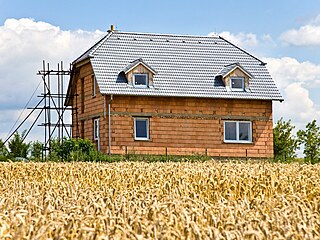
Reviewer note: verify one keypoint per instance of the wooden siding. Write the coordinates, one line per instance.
(140, 69)
(236, 73)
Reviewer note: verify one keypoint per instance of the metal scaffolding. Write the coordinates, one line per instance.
(51, 106)
(53, 97)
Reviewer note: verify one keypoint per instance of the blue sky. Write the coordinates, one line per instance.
(190, 17)
(283, 33)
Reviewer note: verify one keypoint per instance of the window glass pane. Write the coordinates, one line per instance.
(244, 131)
(96, 128)
(141, 128)
(230, 131)
(140, 79)
(237, 83)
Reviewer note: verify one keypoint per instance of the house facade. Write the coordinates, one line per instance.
(172, 94)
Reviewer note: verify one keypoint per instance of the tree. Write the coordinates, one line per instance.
(36, 150)
(17, 147)
(3, 150)
(310, 138)
(285, 143)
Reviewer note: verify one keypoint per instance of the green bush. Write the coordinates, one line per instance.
(71, 149)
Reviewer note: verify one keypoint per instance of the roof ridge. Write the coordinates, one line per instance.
(167, 34)
(263, 63)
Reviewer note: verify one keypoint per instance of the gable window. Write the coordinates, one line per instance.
(140, 80)
(237, 83)
(238, 132)
(141, 128)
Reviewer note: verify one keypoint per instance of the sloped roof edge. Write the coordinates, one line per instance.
(90, 51)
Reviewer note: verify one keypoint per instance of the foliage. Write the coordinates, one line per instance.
(36, 150)
(17, 146)
(310, 138)
(284, 143)
(3, 149)
(72, 149)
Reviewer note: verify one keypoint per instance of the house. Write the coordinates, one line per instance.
(172, 94)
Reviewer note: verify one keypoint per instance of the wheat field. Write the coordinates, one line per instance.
(138, 200)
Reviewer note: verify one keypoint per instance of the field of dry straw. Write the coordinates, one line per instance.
(135, 200)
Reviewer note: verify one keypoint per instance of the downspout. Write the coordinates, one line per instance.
(109, 124)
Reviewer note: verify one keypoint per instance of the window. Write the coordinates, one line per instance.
(141, 128)
(238, 131)
(140, 80)
(96, 129)
(237, 84)
(94, 87)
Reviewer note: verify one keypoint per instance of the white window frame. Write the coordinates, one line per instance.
(140, 74)
(237, 132)
(237, 89)
(135, 132)
(96, 129)
(96, 132)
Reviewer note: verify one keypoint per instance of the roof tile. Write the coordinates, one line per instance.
(185, 66)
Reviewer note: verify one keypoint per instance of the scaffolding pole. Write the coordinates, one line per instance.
(52, 107)
(54, 96)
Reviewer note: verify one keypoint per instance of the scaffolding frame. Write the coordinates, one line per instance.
(52, 106)
(53, 98)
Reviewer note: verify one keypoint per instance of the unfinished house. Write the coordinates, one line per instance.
(172, 94)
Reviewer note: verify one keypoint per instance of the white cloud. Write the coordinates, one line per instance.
(259, 45)
(307, 35)
(24, 43)
(244, 40)
(288, 70)
(298, 105)
(295, 80)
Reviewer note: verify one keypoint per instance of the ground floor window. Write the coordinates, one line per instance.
(238, 131)
(96, 129)
(96, 132)
(141, 128)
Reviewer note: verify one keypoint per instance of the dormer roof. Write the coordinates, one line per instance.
(227, 69)
(135, 63)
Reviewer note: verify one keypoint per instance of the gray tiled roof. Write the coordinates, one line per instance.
(186, 66)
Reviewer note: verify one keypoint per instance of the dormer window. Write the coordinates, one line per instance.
(237, 83)
(140, 80)
(235, 77)
(139, 74)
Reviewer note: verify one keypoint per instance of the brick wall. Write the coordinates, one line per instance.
(178, 126)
